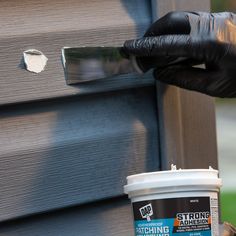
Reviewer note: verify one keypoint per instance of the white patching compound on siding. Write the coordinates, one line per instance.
(35, 61)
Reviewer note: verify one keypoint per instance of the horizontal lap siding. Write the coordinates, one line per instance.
(69, 151)
(66, 152)
(50, 25)
(109, 218)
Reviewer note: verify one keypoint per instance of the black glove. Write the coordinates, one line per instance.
(193, 38)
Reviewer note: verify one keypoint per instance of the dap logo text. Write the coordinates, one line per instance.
(146, 211)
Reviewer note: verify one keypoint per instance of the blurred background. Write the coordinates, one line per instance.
(226, 135)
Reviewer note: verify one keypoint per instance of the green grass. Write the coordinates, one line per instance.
(228, 207)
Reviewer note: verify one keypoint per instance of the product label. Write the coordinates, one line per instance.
(188, 216)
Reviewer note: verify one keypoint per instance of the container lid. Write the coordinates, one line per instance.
(173, 178)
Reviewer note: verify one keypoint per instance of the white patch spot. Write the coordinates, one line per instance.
(35, 61)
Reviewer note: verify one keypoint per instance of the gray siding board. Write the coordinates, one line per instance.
(165, 6)
(67, 152)
(49, 27)
(110, 218)
(186, 119)
(29, 17)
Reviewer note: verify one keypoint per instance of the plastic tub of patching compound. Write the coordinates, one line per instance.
(176, 202)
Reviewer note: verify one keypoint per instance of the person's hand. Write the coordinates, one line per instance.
(193, 38)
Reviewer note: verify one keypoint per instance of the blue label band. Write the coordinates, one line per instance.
(165, 227)
(173, 217)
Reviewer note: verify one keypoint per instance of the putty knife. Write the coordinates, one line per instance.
(84, 64)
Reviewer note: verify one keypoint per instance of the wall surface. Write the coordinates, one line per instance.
(71, 147)
(65, 150)
(186, 119)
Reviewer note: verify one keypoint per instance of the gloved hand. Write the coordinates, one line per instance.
(193, 38)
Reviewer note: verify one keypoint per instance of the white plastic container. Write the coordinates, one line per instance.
(175, 202)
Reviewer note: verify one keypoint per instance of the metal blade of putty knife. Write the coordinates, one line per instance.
(82, 64)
